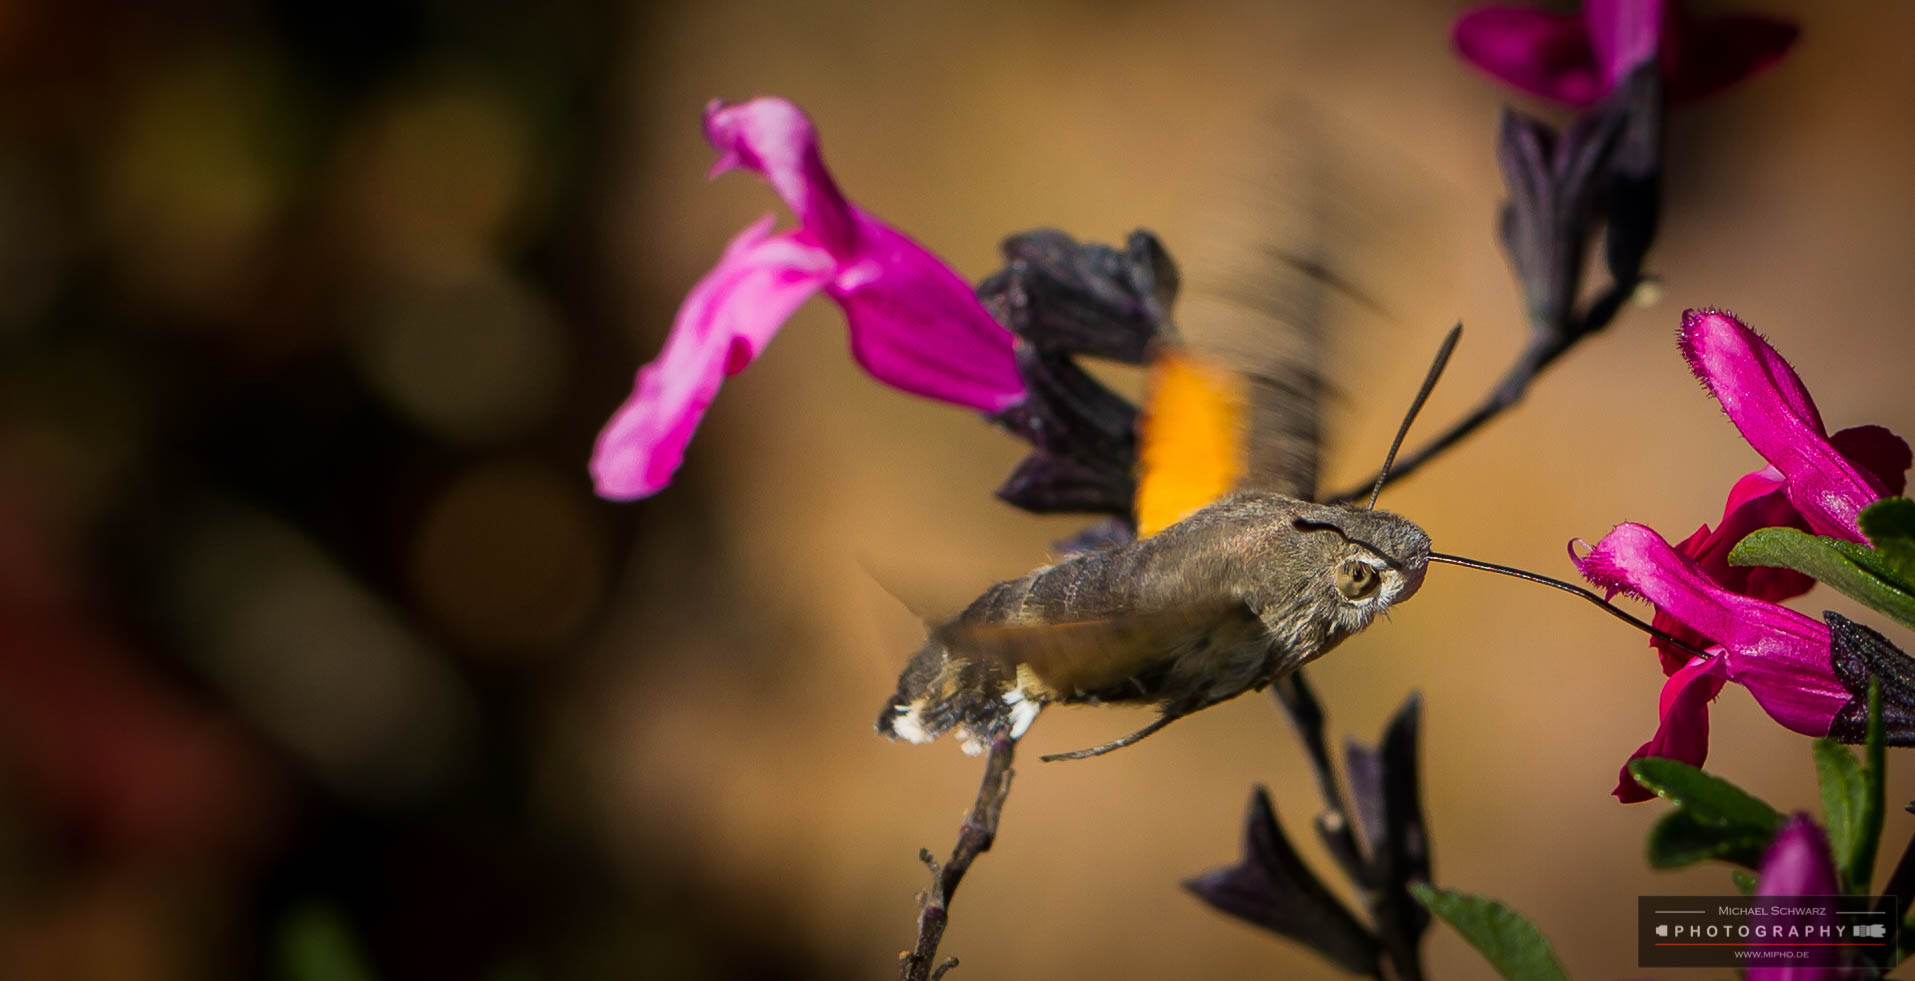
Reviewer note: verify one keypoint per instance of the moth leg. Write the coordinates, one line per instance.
(1116, 744)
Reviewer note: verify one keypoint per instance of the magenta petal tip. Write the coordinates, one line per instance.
(1761, 393)
(1798, 862)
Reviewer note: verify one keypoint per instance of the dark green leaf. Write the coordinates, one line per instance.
(1503, 936)
(1715, 819)
(1680, 839)
(1890, 526)
(1709, 799)
(1868, 832)
(1744, 881)
(1856, 570)
(315, 944)
(1844, 807)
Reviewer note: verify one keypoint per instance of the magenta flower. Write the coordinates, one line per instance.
(915, 325)
(1814, 481)
(1798, 863)
(1766, 400)
(1779, 655)
(1575, 59)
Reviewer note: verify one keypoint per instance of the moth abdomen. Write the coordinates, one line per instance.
(937, 693)
(1123, 625)
(975, 673)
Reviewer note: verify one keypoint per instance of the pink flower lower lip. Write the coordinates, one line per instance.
(915, 324)
(1779, 655)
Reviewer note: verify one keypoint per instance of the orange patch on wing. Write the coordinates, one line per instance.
(1191, 439)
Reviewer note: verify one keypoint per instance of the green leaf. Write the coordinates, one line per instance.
(1858, 571)
(1890, 526)
(1744, 881)
(1681, 839)
(1503, 936)
(1711, 800)
(315, 944)
(1714, 819)
(1844, 807)
(1868, 832)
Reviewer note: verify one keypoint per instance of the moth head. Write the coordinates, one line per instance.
(1375, 559)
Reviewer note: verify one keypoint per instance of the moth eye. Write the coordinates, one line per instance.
(1356, 579)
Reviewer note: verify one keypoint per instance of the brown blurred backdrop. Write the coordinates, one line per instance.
(319, 660)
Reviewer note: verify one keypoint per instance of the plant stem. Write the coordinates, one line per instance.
(974, 837)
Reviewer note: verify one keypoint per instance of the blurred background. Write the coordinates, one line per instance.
(319, 660)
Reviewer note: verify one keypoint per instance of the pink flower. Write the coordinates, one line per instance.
(1575, 59)
(1779, 655)
(1814, 481)
(915, 325)
(1798, 863)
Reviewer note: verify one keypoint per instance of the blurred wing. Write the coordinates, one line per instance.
(1272, 334)
(1260, 293)
(1237, 411)
(1263, 300)
(1089, 656)
(1191, 438)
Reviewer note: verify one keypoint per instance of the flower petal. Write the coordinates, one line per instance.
(724, 322)
(1625, 33)
(1683, 730)
(1758, 500)
(1633, 559)
(1798, 863)
(1539, 52)
(1751, 489)
(1272, 887)
(776, 139)
(1673, 657)
(916, 326)
(1577, 59)
(1876, 451)
(1725, 50)
(1765, 399)
(1780, 655)
(1799, 691)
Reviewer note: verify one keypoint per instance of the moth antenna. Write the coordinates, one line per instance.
(1429, 382)
(1305, 524)
(1116, 744)
(1613, 611)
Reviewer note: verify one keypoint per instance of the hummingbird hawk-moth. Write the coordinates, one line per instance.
(1237, 576)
